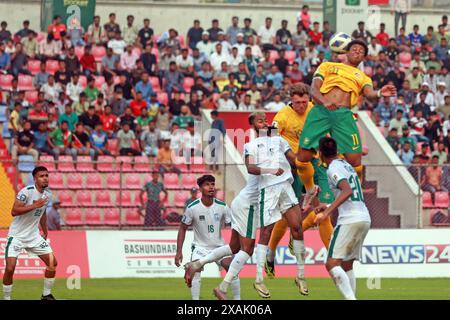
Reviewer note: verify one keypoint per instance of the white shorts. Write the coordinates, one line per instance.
(274, 201)
(347, 241)
(244, 217)
(39, 246)
(200, 252)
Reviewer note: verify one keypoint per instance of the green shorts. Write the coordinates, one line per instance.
(341, 124)
(320, 179)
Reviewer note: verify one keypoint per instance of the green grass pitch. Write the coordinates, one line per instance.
(280, 288)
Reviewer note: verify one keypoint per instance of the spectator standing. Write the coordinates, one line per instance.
(57, 28)
(304, 17)
(267, 35)
(233, 30)
(96, 34)
(111, 28)
(247, 30)
(361, 33)
(153, 206)
(130, 31)
(145, 35)
(401, 9)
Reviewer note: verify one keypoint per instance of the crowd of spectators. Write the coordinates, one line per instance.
(125, 82)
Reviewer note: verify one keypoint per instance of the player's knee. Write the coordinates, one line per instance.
(52, 263)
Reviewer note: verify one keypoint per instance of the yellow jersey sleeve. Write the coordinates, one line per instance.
(366, 82)
(322, 70)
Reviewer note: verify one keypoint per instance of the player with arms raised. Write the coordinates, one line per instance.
(353, 222)
(207, 216)
(336, 88)
(29, 212)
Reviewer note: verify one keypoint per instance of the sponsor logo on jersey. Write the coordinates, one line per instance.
(216, 217)
(306, 141)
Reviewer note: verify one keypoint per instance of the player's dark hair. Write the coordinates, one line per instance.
(328, 147)
(38, 169)
(361, 43)
(205, 178)
(253, 115)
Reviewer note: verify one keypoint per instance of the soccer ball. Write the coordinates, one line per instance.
(339, 42)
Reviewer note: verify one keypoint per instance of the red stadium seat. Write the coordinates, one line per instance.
(220, 195)
(99, 81)
(170, 181)
(74, 181)
(441, 199)
(163, 98)
(135, 144)
(25, 82)
(142, 164)
(188, 84)
(133, 181)
(113, 181)
(31, 96)
(51, 66)
(427, 202)
(74, 216)
(189, 181)
(6, 81)
(40, 36)
(84, 163)
(94, 181)
(125, 198)
(197, 165)
(84, 198)
(124, 163)
(183, 167)
(132, 217)
(290, 56)
(34, 66)
(103, 198)
(66, 198)
(98, 52)
(82, 80)
(65, 164)
(93, 216)
(48, 162)
(273, 56)
(112, 146)
(79, 51)
(112, 216)
(155, 84)
(180, 198)
(56, 181)
(106, 164)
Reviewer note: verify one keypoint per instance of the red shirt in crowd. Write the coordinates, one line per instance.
(108, 121)
(136, 107)
(383, 38)
(56, 30)
(316, 37)
(35, 115)
(88, 62)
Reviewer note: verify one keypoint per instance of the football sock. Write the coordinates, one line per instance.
(216, 254)
(48, 284)
(305, 170)
(299, 252)
(235, 267)
(342, 282)
(351, 277)
(325, 231)
(261, 251)
(236, 288)
(359, 172)
(279, 229)
(7, 292)
(195, 288)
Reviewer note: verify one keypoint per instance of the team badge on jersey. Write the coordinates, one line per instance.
(202, 218)
(306, 141)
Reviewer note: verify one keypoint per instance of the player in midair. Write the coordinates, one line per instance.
(207, 216)
(353, 222)
(290, 122)
(336, 88)
(29, 212)
(270, 157)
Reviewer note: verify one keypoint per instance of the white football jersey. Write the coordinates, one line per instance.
(251, 189)
(26, 226)
(207, 222)
(270, 153)
(353, 209)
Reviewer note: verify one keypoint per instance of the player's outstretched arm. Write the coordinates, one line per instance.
(386, 91)
(180, 240)
(20, 208)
